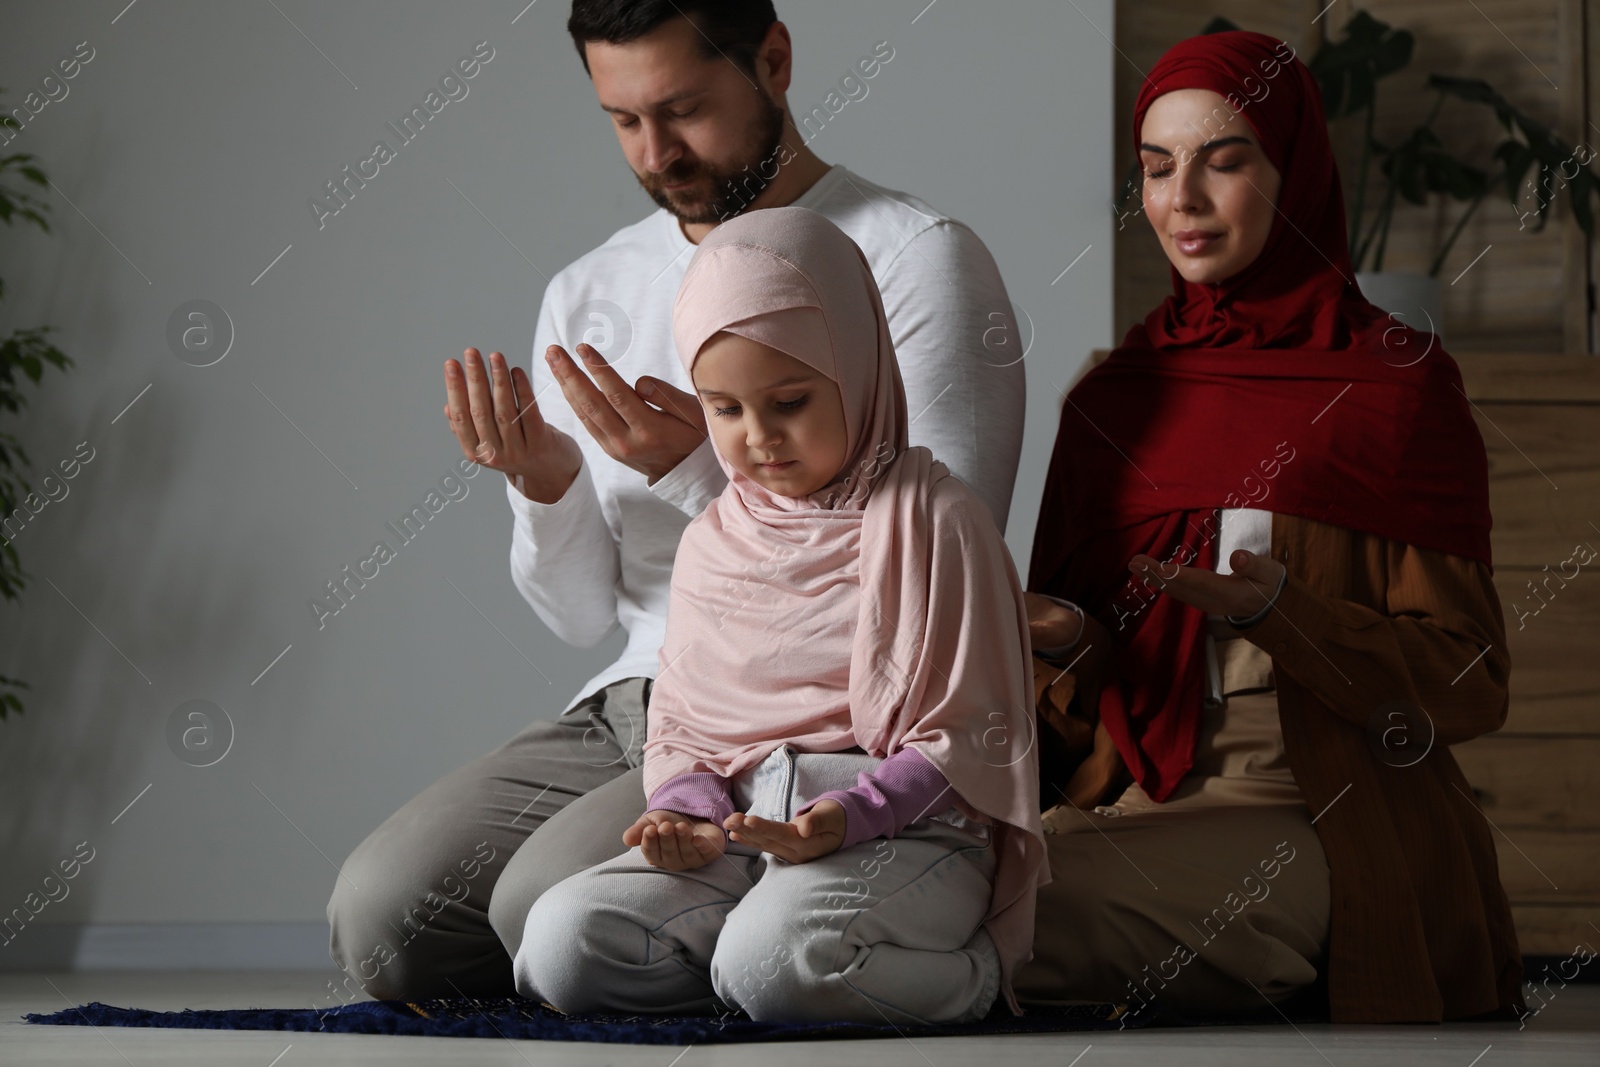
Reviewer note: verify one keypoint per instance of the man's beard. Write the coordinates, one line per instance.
(722, 192)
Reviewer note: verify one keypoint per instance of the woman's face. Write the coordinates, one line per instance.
(764, 407)
(1209, 190)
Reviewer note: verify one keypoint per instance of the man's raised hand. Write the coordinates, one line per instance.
(495, 418)
(650, 439)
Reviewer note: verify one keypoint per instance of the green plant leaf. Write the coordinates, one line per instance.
(1361, 88)
(1348, 68)
(1460, 180)
(1517, 159)
(1472, 90)
(25, 352)
(1392, 53)
(1363, 30)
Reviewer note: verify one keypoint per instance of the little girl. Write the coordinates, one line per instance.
(842, 785)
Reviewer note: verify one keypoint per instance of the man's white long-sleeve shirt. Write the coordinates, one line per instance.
(601, 556)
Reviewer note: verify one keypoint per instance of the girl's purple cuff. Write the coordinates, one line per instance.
(704, 795)
(902, 789)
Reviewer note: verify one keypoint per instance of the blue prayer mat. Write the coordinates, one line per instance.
(516, 1017)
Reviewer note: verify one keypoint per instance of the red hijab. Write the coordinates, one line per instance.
(1280, 388)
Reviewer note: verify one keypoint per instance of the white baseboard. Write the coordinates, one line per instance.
(168, 946)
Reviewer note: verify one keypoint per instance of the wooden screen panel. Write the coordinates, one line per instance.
(1555, 680)
(1553, 930)
(1536, 778)
(1544, 480)
(1540, 420)
(1549, 867)
(1535, 782)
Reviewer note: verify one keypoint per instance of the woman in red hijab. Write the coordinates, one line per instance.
(1263, 560)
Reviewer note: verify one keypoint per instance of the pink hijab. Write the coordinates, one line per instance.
(893, 580)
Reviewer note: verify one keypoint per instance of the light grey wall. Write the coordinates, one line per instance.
(180, 563)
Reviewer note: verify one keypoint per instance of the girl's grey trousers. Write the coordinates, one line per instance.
(887, 930)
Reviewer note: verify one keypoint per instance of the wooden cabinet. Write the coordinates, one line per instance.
(1538, 779)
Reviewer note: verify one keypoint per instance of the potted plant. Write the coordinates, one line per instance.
(25, 351)
(1420, 166)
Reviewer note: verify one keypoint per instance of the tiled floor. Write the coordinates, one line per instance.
(1567, 1031)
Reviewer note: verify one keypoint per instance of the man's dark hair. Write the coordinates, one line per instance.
(730, 28)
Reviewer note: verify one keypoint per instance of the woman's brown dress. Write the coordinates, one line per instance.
(1325, 826)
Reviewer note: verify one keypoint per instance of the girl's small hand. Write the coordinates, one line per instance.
(812, 835)
(675, 841)
(1244, 592)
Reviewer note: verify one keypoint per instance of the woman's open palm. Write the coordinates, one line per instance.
(1244, 592)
